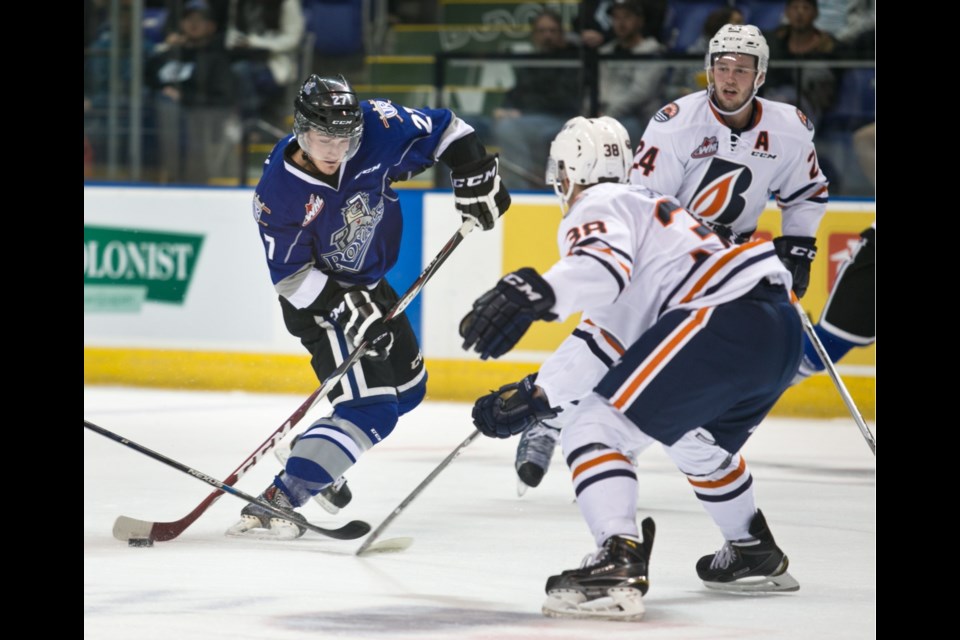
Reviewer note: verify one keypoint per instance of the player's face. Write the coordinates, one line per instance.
(326, 152)
(734, 75)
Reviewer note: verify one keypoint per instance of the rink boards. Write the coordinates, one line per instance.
(177, 294)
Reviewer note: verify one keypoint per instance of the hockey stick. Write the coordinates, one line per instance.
(350, 531)
(413, 494)
(163, 531)
(837, 381)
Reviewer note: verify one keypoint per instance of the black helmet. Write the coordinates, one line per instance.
(328, 106)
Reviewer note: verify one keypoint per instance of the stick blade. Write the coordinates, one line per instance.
(390, 545)
(125, 528)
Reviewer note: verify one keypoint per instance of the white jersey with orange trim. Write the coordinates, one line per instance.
(630, 255)
(726, 177)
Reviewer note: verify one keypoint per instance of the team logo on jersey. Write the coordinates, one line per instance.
(667, 112)
(805, 120)
(707, 148)
(259, 209)
(314, 207)
(385, 110)
(352, 240)
(719, 196)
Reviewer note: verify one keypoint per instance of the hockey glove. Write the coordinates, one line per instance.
(502, 315)
(796, 253)
(478, 192)
(511, 409)
(361, 320)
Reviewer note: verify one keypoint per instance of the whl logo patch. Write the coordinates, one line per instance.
(123, 268)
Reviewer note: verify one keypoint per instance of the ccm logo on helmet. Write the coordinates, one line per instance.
(476, 180)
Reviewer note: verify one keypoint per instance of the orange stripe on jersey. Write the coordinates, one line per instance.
(705, 278)
(659, 356)
(609, 339)
(608, 252)
(725, 480)
(608, 457)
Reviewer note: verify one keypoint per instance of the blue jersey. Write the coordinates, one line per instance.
(312, 231)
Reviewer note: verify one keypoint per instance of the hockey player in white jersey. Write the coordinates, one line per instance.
(713, 342)
(722, 153)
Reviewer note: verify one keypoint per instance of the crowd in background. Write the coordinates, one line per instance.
(213, 69)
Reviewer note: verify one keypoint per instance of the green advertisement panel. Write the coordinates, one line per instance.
(123, 268)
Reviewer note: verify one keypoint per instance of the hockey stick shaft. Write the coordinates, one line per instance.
(835, 376)
(416, 492)
(163, 531)
(349, 531)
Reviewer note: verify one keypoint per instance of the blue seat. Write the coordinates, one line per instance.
(856, 103)
(765, 14)
(684, 22)
(336, 24)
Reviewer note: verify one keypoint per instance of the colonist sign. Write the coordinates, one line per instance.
(123, 268)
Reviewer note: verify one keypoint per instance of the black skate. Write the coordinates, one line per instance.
(534, 453)
(748, 566)
(257, 522)
(333, 497)
(609, 585)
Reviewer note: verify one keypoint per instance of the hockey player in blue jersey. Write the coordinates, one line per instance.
(330, 224)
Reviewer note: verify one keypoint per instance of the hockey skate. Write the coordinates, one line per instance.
(756, 565)
(257, 522)
(333, 497)
(533, 454)
(609, 585)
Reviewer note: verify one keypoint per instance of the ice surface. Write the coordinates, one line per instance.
(481, 555)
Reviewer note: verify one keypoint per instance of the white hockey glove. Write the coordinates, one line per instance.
(478, 192)
(361, 320)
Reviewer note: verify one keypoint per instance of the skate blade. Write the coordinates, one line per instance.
(622, 604)
(761, 584)
(251, 530)
(521, 488)
(282, 453)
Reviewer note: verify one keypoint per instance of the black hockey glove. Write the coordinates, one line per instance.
(501, 316)
(796, 253)
(361, 320)
(478, 192)
(511, 409)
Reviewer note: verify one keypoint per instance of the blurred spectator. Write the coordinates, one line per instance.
(195, 97)
(542, 99)
(218, 11)
(96, 85)
(630, 90)
(812, 89)
(845, 19)
(263, 37)
(865, 146)
(592, 25)
(655, 13)
(799, 38)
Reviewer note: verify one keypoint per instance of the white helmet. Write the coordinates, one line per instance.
(740, 38)
(588, 151)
